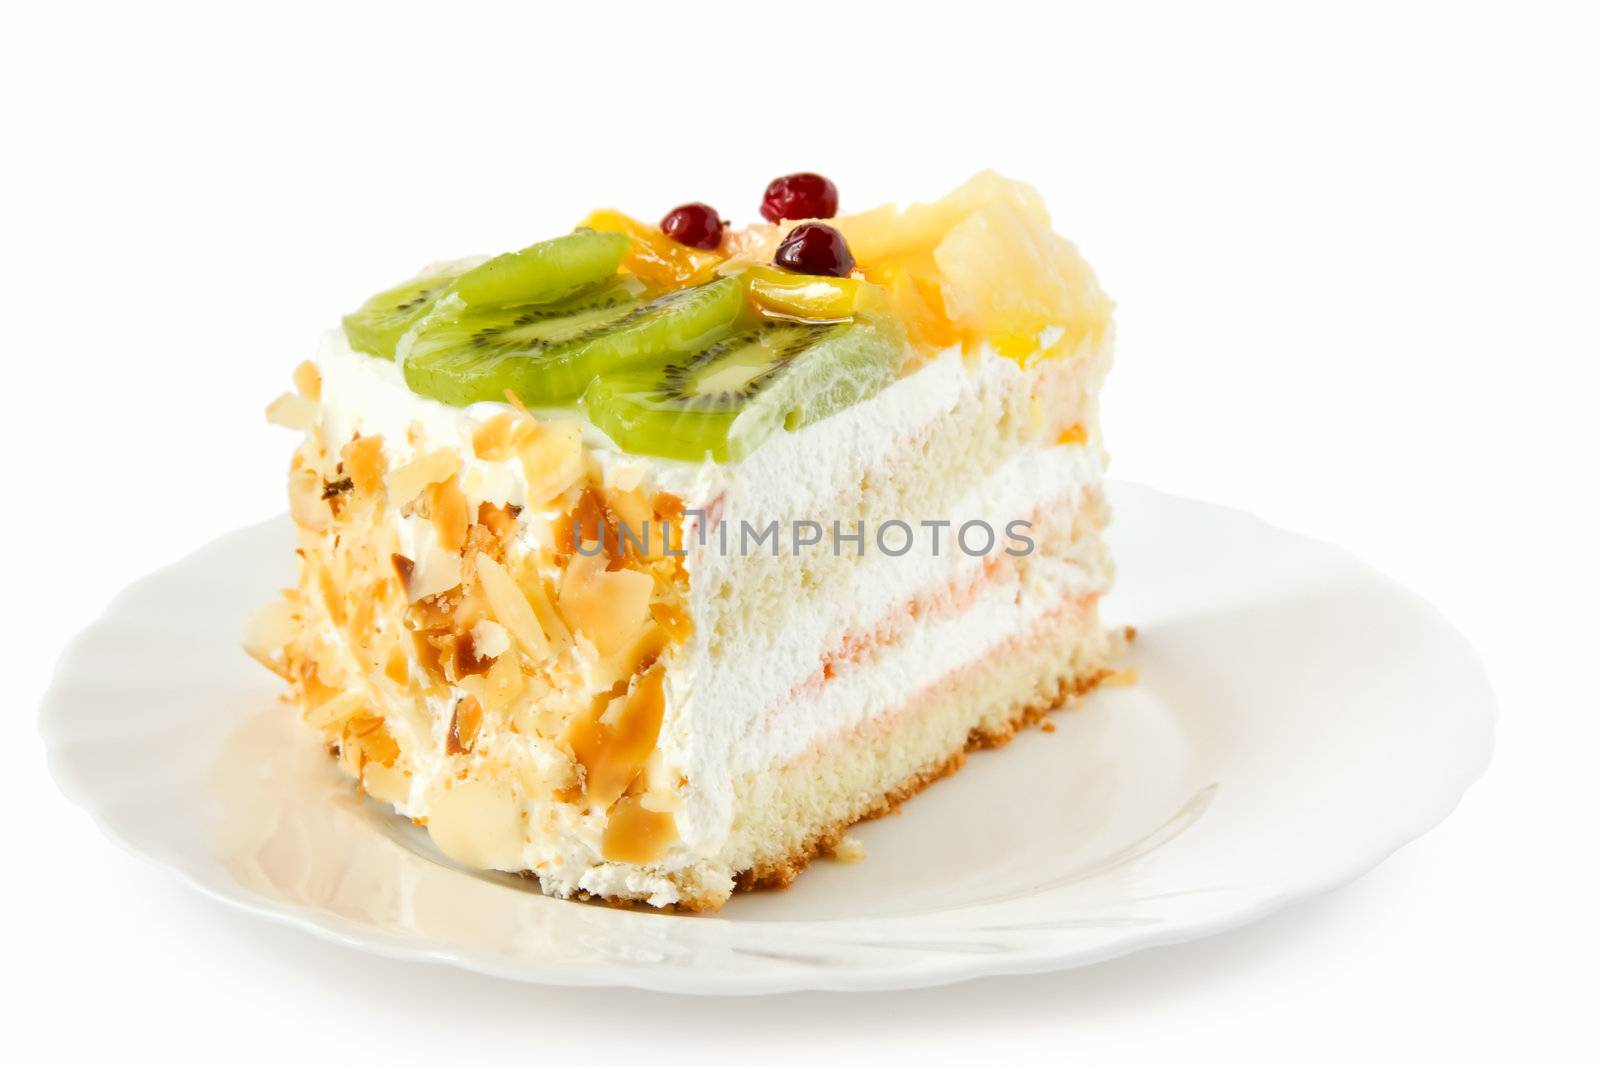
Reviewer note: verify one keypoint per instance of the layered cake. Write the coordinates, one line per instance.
(647, 559)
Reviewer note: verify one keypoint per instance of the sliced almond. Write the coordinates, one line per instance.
(364, 463)
(293, 412)
(478, 824)
(673, 620)
(552, 460)
(447, 507)
(499, 520)
(503, 683)
(613, 745)
(510, 608)
(464, 725)
(334, 711)
(269, 630)
(659, 795)
(489, 639)
(376, 743)
(306, 506)
(636, 834)
(496, 439)
(388, 784)
(645, 647)
(308, 380)
(634, 520)
(611, 718)
(270, 663)
(849, 850)
(435, 571)
(407, 482)
(607, 607)
(549, 618)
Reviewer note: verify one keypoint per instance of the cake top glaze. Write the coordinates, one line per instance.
(696, 339)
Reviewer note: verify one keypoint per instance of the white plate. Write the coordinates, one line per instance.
(1297, 718)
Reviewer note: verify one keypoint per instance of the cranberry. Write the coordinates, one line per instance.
(813, 248)
(696, 225)
(800, 196)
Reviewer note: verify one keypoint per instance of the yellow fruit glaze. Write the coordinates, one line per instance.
(655, 258)
(980, 265)
(804, 296)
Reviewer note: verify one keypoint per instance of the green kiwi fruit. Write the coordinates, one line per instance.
(729, 397)
(376, 326)
(543, 273)
(548, 353)
(547, 272)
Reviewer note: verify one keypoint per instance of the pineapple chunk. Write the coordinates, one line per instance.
(1000, 282)
(980, 264)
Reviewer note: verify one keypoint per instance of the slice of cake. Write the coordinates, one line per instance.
(646, 560)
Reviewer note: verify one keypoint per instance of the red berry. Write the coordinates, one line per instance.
(696, 225)
(800, 196)
(813, 248)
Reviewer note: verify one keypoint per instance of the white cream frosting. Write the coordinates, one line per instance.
(720, 720)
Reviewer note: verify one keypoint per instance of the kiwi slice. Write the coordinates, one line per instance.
(548, 353)
(727, 399)
(545, 272)
(377, 326)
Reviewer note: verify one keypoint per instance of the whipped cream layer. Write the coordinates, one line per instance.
(795, 650)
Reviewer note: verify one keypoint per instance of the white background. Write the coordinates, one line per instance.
(1356, 254)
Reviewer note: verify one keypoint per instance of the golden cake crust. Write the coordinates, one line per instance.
(778, 874)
